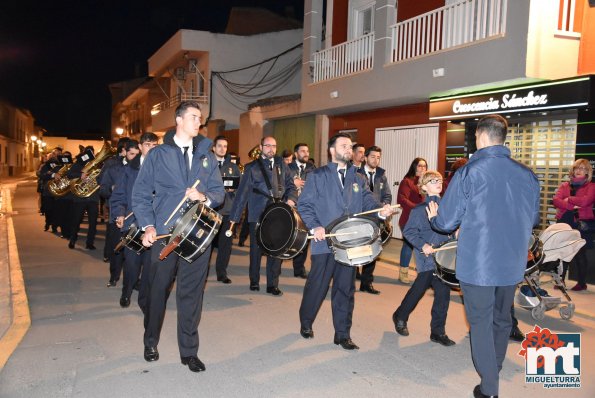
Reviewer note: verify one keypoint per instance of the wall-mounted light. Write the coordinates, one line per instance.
(33, 138)
(119, 130)
(334, 94)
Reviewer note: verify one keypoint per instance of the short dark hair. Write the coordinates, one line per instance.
(357, 146)
(495, 126)
(264, 138)
(122, 143)
(148, 137)
(286, 153)
(220, 138)
(131, 144)
(184, 105)
(296, 147)
(373, 148)
(413, 167)
(333, 139)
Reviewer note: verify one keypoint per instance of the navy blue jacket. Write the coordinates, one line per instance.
(381, 189)
(229, 169)
(252, 181)
(162, 181)
(495, 201)
(418, 232)
(120, 201)
(323, 200)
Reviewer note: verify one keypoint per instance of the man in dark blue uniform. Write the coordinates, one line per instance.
(231, 176)
(264, 180)
(376, 178)
(301, 167)
(495, 202)
(330, 192)
(167, 175)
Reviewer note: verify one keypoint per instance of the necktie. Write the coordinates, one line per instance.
(186, 159)
(270, 164)
(220, 163)
(302, 170)
(372, 181)
(342, 172)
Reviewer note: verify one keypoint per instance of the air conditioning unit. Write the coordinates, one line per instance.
(192, 65)
(180, 73)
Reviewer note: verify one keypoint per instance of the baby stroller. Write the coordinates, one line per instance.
(560, 243)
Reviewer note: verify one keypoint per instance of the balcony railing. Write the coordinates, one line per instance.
(176, 99)
(344, 59)
(450, 26)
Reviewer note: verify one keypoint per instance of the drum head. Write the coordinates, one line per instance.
(447, 259)
(183, 222)
(277, 227)
(353, 232)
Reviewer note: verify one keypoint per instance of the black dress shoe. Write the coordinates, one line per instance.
(71, 244)
(478, 394)
(441, 339)
(369, 289)
(194, 364)
(303, 275)
(400, 326)
(346, 343)
(124, 302)
(106, 260)
(241, 244)
(225, 280)
(111, 283)
(151, 354)
(90, 247)
(275, 291)
(307, 333)
(254, 287)
(516, 334)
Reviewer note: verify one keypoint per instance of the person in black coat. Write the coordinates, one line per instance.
(265, 180)
(301, 167)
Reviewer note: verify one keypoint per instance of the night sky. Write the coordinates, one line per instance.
(58, 57)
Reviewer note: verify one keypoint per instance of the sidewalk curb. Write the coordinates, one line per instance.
(21, 317)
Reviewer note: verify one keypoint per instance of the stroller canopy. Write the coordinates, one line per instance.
(560, 242)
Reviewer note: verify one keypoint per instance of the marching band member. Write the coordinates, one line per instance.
(331, 192)
(167, 175)
(46, 173)
(300, 168)
(228, 169)
(264, 180)
(120, 204)
(379, 187)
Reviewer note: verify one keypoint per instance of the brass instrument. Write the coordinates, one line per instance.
(254, 152)
(84, 188)
(60, 186)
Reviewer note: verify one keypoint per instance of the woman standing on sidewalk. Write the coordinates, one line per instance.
(574, 200)
(408, 197)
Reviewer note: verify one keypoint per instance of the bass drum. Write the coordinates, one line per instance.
(196, 229)
(281, 233)
(446, 260)
(356, 241)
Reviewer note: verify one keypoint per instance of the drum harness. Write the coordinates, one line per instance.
(271, 196)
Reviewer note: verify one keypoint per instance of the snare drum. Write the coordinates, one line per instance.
(281, 233)
(134, 239)
(357, 242)
(386, 231)
(446, 260)
(197, 228)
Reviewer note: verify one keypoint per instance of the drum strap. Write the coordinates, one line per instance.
(266, 181)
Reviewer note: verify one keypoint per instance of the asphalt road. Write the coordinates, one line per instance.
(82, 344)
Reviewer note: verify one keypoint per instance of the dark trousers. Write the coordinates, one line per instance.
(273, 264)
(64, 216)
(116, 260)
(223, 249)
(298, 261)
(488, 313)
(190, 283)
(323, 269)
(244, 230)
(134, 264)
(48, 208)
(367, 273)
(423, 282)
(78, 212)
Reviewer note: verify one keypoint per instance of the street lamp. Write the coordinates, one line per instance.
(33, 138)
(119, 130)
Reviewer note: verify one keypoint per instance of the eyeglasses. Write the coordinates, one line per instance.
(270, 145)
(435, 181)
(582, 168)
(422, 166)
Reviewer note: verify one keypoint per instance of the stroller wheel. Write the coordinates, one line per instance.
(538, 313)
(566, 312)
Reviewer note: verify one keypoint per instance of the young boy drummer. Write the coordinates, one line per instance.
(424, 239)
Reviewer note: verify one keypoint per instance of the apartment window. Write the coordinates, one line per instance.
(361, 18)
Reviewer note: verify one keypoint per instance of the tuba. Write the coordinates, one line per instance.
(83, 188)
(60, 186)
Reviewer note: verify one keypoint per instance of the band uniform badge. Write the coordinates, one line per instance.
(205, 163)
(380, 186)
(355, 187)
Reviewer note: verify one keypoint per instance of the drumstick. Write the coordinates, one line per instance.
(162, 236)
(375, 210)
(337, 234)
(180, 204)
(128, 216)
(229, 232)
(445, 248)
